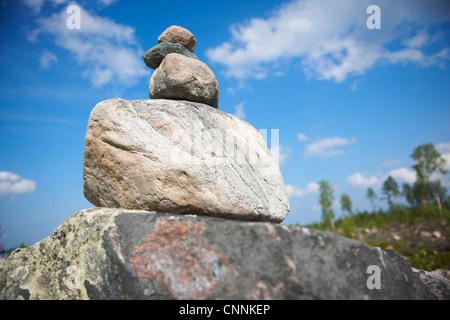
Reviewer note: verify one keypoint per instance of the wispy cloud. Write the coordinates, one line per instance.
(401, 175)
(12, 185)
(418, 40)
(239, 110)
(326, 147)
(46, 59)
(443, 147)
(311, 188)
(331, 40)
(302, 137)
(107, 52)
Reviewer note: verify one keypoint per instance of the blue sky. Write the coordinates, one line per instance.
(350, 103)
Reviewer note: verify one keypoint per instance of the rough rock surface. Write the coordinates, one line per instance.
(121, 254)
(180, 77)
(180, 35)
(154, 56)
(439, 285)
(181, 157)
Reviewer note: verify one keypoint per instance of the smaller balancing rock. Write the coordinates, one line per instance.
(154, 56)
(180, 35)
(181, 78)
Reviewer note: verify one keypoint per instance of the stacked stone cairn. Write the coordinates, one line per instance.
(176, 152)
(178, 72)
(150, 165)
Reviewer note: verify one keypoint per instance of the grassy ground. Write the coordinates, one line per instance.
(421, 235)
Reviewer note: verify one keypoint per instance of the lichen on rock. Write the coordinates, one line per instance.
(53, 268)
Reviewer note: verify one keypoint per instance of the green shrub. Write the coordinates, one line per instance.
(424, 260)
(348, 227)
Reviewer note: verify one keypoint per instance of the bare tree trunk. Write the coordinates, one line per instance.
(438, 200)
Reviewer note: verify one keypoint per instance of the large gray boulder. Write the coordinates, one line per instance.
(121, 254)
(181, 157)
(439, 285)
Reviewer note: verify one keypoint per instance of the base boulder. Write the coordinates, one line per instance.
(124, 254)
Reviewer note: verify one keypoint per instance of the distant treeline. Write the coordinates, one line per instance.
(427, 197)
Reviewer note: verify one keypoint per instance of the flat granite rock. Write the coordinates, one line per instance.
(124, 254)
(181, 157)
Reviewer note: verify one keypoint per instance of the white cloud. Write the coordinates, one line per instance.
(417, 56)
(12, 185)
(443, 147)
(302, 137)
(46, 59)
(403, 175)
(107, 51)
(417, 41)
(312, 188)
(8, 176)
(326, 147)
(239, 110)
(359, 180)
(331, 38)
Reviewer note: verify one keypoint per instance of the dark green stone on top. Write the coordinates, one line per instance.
(154, 56)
